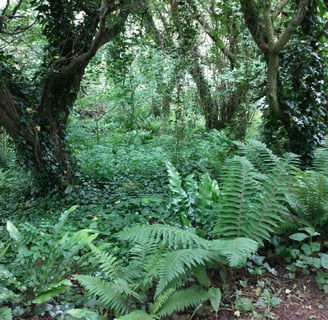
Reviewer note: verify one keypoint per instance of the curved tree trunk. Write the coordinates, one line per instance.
(36, 117)
(209, 104)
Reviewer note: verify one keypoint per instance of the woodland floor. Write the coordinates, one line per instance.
(301, 300)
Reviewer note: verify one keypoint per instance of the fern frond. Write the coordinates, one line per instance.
(320, 161)
(138, 315)
(116, 296)
(5, 314)
(237, 193)
(161, 299)
(253, 203)
(182, 300)
(258, 154)
(311, 197)
(166, 235)
(237, 251)
(271, 206)
(178, 263)
(107, 262)
(141, 252)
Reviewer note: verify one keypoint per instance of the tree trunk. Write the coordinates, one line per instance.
(270, 43)
(35, 116)
(209, 105)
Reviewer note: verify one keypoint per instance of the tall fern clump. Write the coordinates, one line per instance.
(250, 200)
(166, 272)
(309, 197)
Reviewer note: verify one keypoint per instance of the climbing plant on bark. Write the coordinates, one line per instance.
(302, 87)
(34, 109)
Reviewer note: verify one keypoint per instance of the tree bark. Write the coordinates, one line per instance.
(269, 42)
(38, 124)
(209, 105)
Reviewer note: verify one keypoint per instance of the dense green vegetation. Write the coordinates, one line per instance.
(154, 155)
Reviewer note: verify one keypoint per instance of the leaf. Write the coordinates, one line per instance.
(53, 290)
(183, 299)
(311, 231)
(3, 252)
(202, 276)
(63, 219)
(177, 264)
(85, 314)
(215, 298)
(275, 301)
(137, 315)
(244, 305)
(325, 288)
(5, 314)
(13, 232)
(324, 260)
(237, 251)
(298, 236)
(44, 297)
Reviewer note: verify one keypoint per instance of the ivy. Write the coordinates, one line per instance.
(302, 93)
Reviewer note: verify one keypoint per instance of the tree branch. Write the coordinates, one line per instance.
(278, 9)
(292, 26)
(268, 25)
(103, 35)
(252, 21)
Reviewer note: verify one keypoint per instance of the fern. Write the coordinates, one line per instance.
(115, 295)
(161, 262)
(166, 235)
(261, 157)
(310, 198)
(271, 205)
(107, 263)
(5, 314)
(236, 251)
(161, 300)
(253, 203)
(138, 315)
(320, 161)
(237, 194)
(175, 264)
(182, 300)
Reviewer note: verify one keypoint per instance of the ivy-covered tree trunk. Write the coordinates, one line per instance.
(209, 104)
(34, 110)
(303, 88)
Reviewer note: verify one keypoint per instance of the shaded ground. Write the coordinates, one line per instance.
(301, 299)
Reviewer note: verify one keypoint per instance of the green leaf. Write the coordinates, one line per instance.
(63, 219)
(44, 297)
(244, 304)
(275, 301)
(137, 315)
(201, 275)
(324, 260)
(215, 298)
(298, 236)
(176, 264)
(325, 288)
(237, 251)
(53, 290)
(311, 231)
(13, 232)
(5, 314)
(85, 314)
(3, 252)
